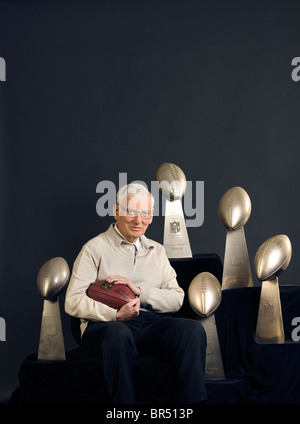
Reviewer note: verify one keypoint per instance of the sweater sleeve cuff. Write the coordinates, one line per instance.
(144, 296)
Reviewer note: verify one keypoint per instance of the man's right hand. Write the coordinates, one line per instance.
(129, 310)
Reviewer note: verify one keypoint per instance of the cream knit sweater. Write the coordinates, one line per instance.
(111, 254)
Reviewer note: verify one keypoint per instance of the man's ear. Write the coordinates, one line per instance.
(115, 210)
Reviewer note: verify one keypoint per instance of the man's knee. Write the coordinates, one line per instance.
(196, 328)
(112, 336)
(191, 327)
(119, 335)
(192, 332)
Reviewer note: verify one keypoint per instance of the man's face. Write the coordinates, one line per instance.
(133, 227)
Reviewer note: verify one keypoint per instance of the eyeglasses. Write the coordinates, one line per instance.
(134, 212)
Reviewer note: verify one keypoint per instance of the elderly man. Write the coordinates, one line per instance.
(124, 255)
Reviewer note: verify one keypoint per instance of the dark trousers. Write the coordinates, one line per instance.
(182, 339)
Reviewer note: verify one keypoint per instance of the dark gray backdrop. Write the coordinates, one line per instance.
(102, 87)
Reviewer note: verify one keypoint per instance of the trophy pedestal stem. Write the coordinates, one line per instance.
(176, 239)
(269, 327)
(51, 346)
(237, 271)
(214, 369)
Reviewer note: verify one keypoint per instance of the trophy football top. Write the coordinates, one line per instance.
(53, 277)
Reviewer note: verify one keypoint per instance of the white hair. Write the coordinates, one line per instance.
(133, 191)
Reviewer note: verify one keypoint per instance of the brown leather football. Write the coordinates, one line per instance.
(113, 295)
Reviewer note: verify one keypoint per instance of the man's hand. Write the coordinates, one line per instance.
(129, 310)
(124, 280)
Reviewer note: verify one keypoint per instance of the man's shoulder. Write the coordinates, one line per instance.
(97, 240)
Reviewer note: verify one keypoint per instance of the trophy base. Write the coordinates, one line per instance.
(237, 271)
(269, 327)
(214, 369)
(176, 239)
(51, 346)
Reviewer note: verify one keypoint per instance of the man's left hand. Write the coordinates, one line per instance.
(124, 280)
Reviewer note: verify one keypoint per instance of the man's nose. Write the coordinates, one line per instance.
(138, 218)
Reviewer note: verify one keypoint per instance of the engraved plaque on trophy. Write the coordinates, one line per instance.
(271, 259)
(205, 295)
(172, 183)
(52, 279)
(234, 212)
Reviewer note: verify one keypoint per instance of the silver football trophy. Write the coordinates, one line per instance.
(271, 259)
(234, 212)
(52, 279)
(172, 183)
(205, 295)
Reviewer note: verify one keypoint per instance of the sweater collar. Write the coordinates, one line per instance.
(117, 239)
(136, 243)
